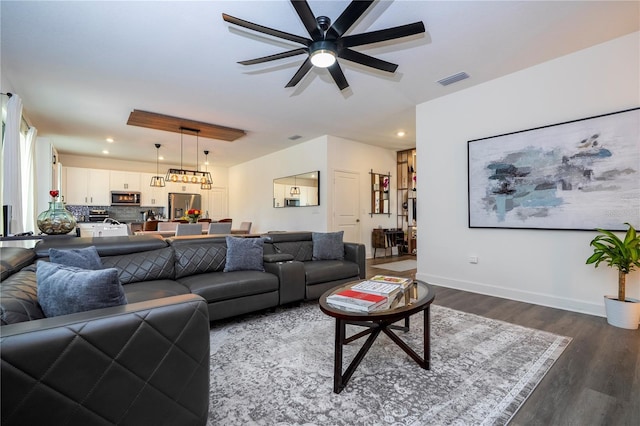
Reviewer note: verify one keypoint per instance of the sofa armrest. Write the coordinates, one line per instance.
(277, 257)
(355, 252)
(145, 363)
(291, 277)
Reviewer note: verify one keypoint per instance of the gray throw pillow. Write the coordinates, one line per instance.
(85, 258)
(66, 289)
(328, 245)
(244, 254)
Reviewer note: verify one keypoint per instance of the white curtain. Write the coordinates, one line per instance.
(29, 182)
(11, 173)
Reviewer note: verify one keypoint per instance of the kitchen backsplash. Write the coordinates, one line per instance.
(119, 213)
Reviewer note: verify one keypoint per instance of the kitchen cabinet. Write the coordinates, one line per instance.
(214, 202)
(190, 188)
(151, 196)
(89, 187)
(124, 181)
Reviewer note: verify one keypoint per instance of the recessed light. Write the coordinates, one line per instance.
(110, 140)
(104, 151)
(400, 133)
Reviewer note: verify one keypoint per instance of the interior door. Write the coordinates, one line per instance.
(346, 205)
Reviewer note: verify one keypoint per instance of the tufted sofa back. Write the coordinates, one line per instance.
(297, 244)
(199, 256)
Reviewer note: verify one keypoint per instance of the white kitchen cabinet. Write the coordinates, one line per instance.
(189, 188)
(215, 202)
(278, 195)
(151, 196)
(89, 187)
(124, 181)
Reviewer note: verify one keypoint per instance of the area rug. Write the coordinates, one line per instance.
(277, 369)
(399, 266)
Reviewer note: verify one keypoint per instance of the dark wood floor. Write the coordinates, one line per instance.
(596, 381)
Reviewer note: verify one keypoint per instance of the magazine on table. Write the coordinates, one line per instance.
(357, 300)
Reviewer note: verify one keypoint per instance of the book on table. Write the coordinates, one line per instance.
(377, 287)
(404, 282)
(357, 300)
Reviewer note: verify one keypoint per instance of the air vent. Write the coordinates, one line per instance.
(294, 137)
(453, 78)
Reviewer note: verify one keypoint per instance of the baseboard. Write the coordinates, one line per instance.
(542, 299)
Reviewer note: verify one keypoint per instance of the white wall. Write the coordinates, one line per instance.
(251, 185)
(537, 266)
(251, 189)
(355, 157)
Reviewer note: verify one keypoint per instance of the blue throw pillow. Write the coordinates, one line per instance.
(66, 289)
(328, 245)
(85, 258)
(244, 254)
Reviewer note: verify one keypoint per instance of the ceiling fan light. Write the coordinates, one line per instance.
(323, 58)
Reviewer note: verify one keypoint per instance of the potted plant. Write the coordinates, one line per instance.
(624, 255)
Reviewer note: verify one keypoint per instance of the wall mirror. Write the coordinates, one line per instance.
(301, 190)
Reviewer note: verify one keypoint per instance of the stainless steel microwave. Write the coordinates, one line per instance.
(123, 198)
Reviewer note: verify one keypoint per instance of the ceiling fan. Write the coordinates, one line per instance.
(327, 42)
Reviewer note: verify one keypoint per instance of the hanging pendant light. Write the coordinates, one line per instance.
(157, 181)
(184, 175)
(205, 182)
(295, 189)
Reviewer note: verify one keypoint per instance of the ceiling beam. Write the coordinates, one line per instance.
(168, 123)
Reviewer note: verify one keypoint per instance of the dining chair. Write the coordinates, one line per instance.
(150, 225)
(220, 228)
(188, 229)
(167, 226)
(225, 220)
(245, 227)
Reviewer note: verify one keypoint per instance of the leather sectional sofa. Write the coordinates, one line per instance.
(146, 362)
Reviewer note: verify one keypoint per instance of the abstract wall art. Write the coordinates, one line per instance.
(577, 175)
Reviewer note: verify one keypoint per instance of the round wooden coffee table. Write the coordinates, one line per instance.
(416, 297)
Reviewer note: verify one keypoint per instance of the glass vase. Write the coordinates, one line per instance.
(57, 220)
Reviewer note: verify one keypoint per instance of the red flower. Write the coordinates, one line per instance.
(193, 212)
(54, 193)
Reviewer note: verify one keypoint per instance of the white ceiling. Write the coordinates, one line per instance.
(82, 67)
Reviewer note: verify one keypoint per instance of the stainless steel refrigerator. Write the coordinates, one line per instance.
(180, 203)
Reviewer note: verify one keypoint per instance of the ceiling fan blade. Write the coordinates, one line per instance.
(274, 57)
(338, 76)
(307, 18)
(369, 61)
(350, 15)
(382, 35)
(266, 30)
(302, 71)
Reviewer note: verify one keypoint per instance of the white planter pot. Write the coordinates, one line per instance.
(622, 314)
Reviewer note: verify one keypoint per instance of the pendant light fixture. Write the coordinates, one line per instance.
(157, 181)
(185, 175)
(207, 184)
(295, 189)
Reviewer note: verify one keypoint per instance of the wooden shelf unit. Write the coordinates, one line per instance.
(407, 200)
